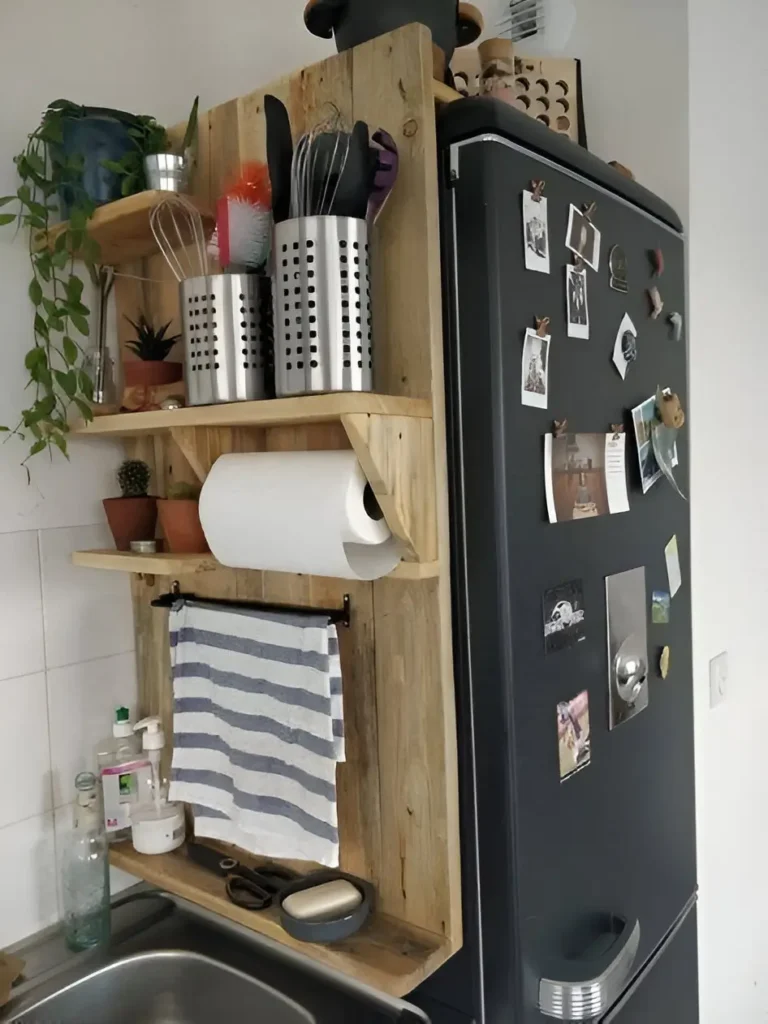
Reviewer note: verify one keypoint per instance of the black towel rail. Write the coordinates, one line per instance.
(339, 616)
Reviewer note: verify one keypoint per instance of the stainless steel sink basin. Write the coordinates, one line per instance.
(170, 962)
(172, 987)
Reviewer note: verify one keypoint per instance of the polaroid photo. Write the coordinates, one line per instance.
(584, 476)
(672, 556)
(578, 307)
(583, 238)
(660, 607)
(625, 348)
(643, 418)
(535, 373)
(536, 233)
(574, 742)
(564, 616)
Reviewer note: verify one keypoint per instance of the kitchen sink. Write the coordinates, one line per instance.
(170, 962)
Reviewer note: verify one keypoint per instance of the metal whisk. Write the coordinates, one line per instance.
(319, 162)
(178, 229)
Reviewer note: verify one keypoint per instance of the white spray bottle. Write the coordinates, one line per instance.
(158, 828)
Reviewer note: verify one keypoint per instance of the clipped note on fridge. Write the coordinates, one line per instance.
(672, 555)
(584, 475)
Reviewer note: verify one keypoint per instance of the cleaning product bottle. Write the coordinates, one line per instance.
(126, 776)
(157, 827)
(85, 870)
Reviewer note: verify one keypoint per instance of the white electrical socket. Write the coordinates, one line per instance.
(718, 679)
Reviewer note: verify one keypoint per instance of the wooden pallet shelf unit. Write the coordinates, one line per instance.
(398, 789)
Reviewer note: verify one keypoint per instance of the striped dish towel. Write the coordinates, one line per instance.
(258, 728)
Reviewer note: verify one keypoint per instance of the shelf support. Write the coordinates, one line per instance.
(397, 456)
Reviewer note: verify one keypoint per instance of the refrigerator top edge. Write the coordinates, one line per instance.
(473, 118)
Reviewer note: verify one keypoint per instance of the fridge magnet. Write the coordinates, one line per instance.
(674, 573)
(584, 476)
(625, 348)
(660, 607)
(627, 621)
(535, 369)
(583, 238)
(617, 262)
(675, 321)
(564, 624)
(656, 257)
(559, 427)
(664, 662)
(657, 303)
(670, 418)
(643, 417)
(578, 308)
(536, 232)
(574, 742)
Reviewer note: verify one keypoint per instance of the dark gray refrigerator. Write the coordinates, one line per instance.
(572, 637)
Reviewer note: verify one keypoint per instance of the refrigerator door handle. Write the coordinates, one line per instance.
(588, 997)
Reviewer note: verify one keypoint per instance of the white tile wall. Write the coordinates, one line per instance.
(28, 873)
(21, 603)
(87, 612)
(25, 753)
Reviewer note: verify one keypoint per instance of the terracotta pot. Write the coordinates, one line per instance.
(131, 519)
(140, 373)
(180, 520)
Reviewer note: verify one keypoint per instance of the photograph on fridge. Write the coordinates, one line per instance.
(583, 238)
(573, 735)
(535, 372)
(564, 616)
(643, 418)
(578, 307)
(536, 233)
(625, 347)
(584, 476)
(660, 607)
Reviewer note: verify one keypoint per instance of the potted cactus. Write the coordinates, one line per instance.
(152, 348)
(134, 515)
(180, 519)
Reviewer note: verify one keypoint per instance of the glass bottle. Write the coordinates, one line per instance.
(85, 870)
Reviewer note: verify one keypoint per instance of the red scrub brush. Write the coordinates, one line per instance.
(243, 232)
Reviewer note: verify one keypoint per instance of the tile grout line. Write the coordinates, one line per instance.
(56, 851)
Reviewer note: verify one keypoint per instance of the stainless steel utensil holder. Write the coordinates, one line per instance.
(322, 306)
(227, 324)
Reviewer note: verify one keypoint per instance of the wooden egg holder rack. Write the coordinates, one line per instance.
(398, 790)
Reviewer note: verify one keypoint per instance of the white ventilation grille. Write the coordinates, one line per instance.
(523, 19)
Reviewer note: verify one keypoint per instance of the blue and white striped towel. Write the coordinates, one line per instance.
(258, 728)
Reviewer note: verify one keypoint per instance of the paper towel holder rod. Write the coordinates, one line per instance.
(339, 616)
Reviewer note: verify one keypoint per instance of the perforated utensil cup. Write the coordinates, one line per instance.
(322, 306)
(227, 323)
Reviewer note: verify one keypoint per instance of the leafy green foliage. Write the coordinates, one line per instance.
(58, 381)
(133, 477)
(151, 345)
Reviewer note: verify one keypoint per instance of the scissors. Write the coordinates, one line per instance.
(247, 888)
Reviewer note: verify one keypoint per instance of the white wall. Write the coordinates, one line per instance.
(66, 635)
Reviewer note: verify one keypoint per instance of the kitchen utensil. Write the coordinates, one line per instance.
(244, 221)
(355, 180)
(247, 888)
(178, 230)
(387, 159)
(279, 156)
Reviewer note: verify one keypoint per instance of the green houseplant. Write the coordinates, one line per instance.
(134, 515)
(152, 347)
(180, 520)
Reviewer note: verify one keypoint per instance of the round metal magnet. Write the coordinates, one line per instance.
(664, 661)
(617, 262)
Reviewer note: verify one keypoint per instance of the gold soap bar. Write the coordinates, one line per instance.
(325, 902)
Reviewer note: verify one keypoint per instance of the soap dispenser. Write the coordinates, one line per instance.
(159, 826)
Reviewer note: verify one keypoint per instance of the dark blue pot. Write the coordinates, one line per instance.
(97, 136)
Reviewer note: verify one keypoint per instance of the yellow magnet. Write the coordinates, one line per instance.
(666, 654)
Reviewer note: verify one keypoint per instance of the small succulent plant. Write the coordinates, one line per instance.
(133, 477)
(151, 345)
(184, 492)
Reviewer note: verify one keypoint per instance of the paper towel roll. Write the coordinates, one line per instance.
(299, 512)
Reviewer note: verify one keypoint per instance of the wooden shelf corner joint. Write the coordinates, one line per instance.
(397, 456)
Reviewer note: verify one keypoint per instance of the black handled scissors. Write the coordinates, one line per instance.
(248, 888)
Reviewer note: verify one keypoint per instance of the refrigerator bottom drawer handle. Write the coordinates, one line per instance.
(583, 999)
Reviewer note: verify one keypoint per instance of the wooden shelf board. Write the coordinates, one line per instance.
(387, 954)
(162, 564)
(276, 412)
(122, 227)
(444, 93)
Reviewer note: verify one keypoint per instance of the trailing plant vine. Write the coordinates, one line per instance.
(58, 380)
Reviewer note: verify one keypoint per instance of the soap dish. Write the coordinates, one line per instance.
(327, 929)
